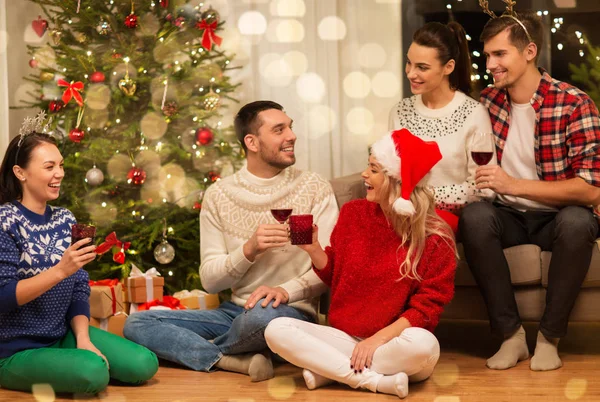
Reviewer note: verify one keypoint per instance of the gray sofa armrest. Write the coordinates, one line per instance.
(348, 188)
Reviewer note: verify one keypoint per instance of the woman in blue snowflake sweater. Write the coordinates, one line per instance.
(45, 337)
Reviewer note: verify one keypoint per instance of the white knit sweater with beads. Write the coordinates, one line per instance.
(452, 127)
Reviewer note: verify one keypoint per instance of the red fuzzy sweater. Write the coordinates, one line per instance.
(363, 272)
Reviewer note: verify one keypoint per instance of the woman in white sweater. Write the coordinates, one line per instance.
(439, 70)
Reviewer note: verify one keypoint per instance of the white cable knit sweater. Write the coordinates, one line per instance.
(232, 210)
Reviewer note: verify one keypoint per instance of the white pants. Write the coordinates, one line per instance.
(327, 351)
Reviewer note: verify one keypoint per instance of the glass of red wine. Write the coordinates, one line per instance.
(281, 215)
(482, 149)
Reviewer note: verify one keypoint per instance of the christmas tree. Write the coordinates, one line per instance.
(136, 90)
(588, 72)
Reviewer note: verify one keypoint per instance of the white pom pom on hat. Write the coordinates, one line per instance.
(407, 158)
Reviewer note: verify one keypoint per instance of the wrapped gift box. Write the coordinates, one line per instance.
(113, 324)
(106, 298)
(137, 292)
(198, 299)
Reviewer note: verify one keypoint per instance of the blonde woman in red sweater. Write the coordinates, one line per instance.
(391, 267)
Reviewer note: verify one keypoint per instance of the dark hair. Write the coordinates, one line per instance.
(247, 122)
(450, 41)
(518, 36)
(10, 186)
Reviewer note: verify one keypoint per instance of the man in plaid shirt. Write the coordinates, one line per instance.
(548, 174)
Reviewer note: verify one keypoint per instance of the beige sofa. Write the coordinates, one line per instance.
(528, 269)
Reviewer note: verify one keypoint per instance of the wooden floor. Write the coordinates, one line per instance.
(460, 376)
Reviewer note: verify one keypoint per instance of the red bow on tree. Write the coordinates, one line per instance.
(72, 91)
(209, 37)
(168, 301)
(111, 241)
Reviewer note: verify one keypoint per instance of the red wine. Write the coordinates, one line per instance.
(281, 214)
(482, 158)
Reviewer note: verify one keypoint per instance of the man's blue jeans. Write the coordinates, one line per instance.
(182, 336)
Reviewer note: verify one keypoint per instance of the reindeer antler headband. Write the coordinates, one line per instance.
(509, 13)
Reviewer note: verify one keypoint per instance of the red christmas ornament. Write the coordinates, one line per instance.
(97, 77)
(76, 135)
(136, 176)
(204, 136)
(117, 55)
(39, 26)
(33, 63)
(213, 176)
(164, 3)
(197, 205)
(131, 21)
(55, 106)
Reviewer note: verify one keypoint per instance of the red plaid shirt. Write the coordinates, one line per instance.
(567, 130)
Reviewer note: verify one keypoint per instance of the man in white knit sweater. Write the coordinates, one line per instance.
(244, 249)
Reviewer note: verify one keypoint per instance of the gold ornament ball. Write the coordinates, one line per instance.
(80, 37)
(210, 16)
(211, 101)
(225, 148)
(46, 76)
(127, 86)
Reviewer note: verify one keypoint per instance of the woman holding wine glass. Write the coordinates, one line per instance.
(45, 335)
(390, 267)
(439, 70)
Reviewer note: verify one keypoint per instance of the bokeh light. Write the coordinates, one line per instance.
(371, 55)
(252, 23)
(575, 388)
(310, 87)
(332, 28)
(386, 84)
(281, 388)
(321, 120)
(360, 121)
(445, 374)
(153, 125)
(297, 61)
(357, 85)
(288, 8)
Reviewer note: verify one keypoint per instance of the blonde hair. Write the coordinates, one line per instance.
(414, 230)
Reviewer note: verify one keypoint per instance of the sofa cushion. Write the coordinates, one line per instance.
(468, 304)
(348, 188)
(523, 262)
(591, 280)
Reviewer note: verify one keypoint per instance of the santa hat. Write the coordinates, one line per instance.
(407, 158)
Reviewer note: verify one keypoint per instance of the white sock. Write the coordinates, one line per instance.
(314, 380)
(394, 385)
(545, 356)
(513, 350)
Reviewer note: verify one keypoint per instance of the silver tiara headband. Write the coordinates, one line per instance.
(37, 124)
(509, 13)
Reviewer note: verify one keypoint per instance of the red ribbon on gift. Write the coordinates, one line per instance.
(111, 241)
(111, 283)
(168, 301)
(209, 37)
(72, 91)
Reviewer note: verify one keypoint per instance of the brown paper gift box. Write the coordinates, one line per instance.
(113, 324)
(135, 289)
(101, 300)
(202, 302)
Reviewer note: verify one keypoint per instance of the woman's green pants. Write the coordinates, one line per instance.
(68, 369)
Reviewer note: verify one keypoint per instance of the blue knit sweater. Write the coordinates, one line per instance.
(30, 244)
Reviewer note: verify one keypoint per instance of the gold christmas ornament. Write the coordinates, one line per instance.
(211, 101)
(210, 16)
(127, 85)
(46, 76)
(55, 34)
(80, 37)
(225, 148)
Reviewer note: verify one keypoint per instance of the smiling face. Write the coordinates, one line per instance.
(505, 61)
(274, 142)
(374, 178)
(41, 178)
(425, 71)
